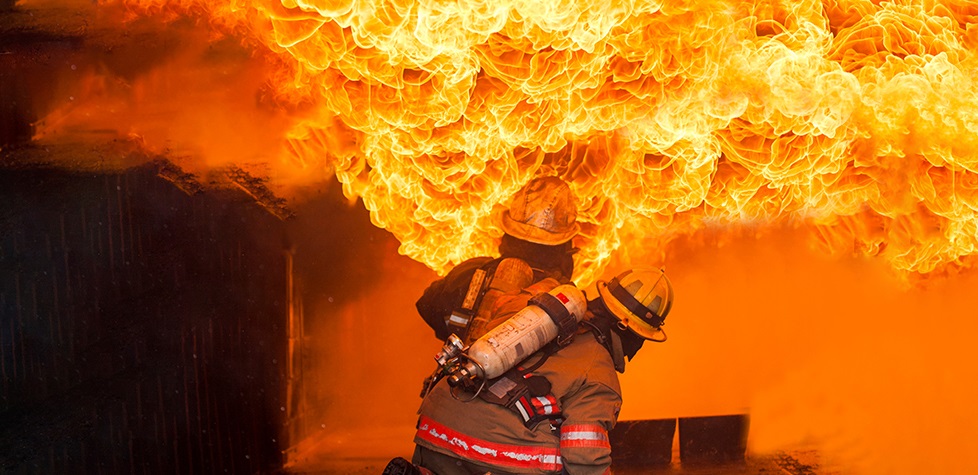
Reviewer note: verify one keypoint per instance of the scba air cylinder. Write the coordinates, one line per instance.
(527, 331)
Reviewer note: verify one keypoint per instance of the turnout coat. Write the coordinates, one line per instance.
(474, 437)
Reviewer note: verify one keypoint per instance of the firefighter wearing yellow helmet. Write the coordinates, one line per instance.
(631, 308)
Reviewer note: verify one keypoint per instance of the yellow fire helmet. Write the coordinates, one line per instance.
(640, 299)
(543, 211)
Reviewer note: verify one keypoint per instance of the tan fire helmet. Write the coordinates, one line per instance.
(543, 211)
(640, 299)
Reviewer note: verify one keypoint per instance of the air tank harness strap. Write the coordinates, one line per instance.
(527, 394)
(565, 321)
(461, 318)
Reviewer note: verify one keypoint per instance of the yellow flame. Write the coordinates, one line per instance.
(856, 117)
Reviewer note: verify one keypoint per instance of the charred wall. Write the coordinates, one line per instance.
(142, 329)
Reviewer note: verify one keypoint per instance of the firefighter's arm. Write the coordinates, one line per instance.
(434, 306)
(589, 413)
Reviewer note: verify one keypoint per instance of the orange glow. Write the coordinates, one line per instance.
(856, 119)
(830, 353)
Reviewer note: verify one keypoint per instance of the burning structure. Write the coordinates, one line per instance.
(804, 169)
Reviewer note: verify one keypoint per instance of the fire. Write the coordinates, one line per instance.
(855, 118)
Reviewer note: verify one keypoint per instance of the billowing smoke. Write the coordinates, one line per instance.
(175, 89)
(837, 354)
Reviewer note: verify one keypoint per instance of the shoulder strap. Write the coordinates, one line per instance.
(547, 351)
(461, 317)
(439, 299)
(566, 323)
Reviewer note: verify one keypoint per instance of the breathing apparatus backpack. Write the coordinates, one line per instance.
(488, 367)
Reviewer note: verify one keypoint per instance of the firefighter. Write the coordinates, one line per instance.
(570, 394)
(539, 227)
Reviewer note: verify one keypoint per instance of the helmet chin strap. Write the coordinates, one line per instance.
(611, 333)
(617, 353)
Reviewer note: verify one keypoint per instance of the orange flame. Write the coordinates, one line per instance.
(854, 117)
